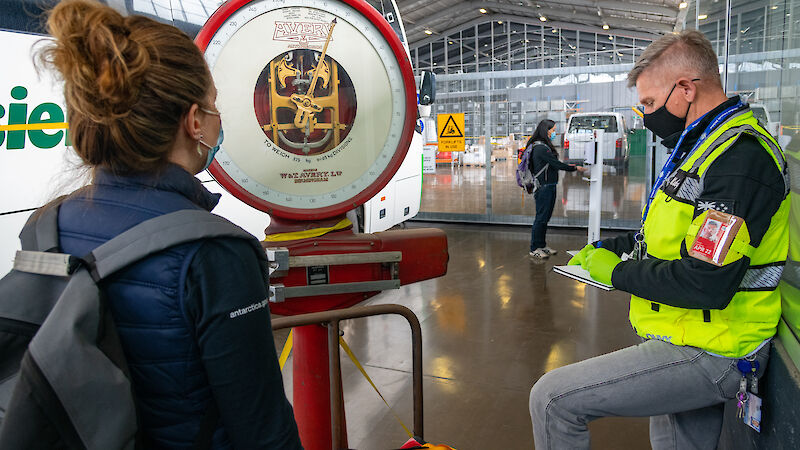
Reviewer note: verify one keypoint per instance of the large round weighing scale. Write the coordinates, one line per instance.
(318, 104)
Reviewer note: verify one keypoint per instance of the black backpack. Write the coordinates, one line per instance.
(64, 382)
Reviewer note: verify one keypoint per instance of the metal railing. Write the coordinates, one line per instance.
(331, 319)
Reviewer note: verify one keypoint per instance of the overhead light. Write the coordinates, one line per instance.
(543, 18)
(611, 38)
(482, 10)
(605, 26)
(702, 17)
(683, 5)
(428, 32)
(526, 41)
(450, 42)
(499, 22)
(774, 7)
(555, 31)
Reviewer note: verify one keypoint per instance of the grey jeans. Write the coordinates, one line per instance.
(681, 389)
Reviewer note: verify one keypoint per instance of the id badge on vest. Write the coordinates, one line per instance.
(714, 239)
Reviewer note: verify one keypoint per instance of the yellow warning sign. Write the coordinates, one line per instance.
(451, 132)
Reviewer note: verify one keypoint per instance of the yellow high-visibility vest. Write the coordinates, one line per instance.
(753, 313)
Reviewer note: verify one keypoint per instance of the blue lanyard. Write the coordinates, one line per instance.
(677, 155)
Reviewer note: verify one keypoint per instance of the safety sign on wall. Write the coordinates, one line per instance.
(451, 132)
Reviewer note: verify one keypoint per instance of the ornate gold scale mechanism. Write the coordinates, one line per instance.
(305, 104)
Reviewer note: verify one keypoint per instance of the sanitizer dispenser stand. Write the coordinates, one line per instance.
(593, 154)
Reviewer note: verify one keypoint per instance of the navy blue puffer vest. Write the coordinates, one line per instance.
(146, 299)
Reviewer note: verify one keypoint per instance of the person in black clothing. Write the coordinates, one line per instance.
(545, 155)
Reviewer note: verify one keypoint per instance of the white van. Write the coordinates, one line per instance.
(580, 127)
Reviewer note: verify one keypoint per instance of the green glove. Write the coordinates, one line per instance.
(600, 264)
(580, 258)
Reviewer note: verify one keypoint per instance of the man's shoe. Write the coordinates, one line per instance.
(550, 251)
(539, 253)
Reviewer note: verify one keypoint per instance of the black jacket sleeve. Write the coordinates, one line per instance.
(542, 155)
(745, 177)
(618, 244)
(227, 299)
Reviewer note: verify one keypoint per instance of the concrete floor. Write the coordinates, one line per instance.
(491, 327)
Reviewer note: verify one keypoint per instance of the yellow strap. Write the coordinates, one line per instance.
(287, 348)
(742, 247)
(305, 234)
(364, 372)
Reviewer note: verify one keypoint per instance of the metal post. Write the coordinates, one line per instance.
(541, 49)
(487, 111)
(508, 46)
(764, 35)
(697, 15)
(477, 57)
(738, 45)
(727, 43)
(525, 46)
(461, 55)
(446, 54)
(560, 50)
(491, 42)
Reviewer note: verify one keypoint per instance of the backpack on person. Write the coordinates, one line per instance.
(525, 179)
(64, 382)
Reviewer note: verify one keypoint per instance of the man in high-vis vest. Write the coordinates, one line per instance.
(703, 270)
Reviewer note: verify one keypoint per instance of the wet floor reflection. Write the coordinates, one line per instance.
(462, 189)
(491, 327)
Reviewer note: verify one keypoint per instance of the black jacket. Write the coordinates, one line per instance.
(744, 177)
(542, 154)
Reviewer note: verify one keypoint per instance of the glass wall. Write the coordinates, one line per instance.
(506, 77)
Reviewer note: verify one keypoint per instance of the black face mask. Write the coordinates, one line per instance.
(662, 122)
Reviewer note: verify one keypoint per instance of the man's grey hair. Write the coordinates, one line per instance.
(689, 52)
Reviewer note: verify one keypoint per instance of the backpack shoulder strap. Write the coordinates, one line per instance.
(40, 232)
(156, 234)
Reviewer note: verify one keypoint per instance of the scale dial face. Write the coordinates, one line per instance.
(317, 100)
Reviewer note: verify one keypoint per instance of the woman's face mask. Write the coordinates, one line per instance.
(212, 151)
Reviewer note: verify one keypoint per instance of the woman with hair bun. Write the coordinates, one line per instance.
(140, 101)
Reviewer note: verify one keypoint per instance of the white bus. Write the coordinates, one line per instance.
(36, 165)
